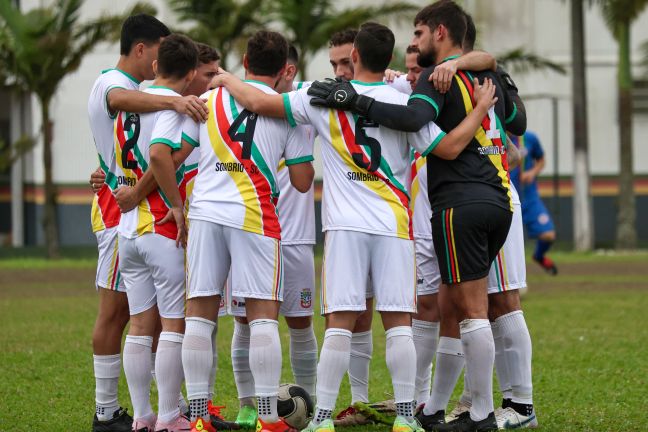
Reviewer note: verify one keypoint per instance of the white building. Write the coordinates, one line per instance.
(539, 26)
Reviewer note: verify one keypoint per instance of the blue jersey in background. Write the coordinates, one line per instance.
(530, 152)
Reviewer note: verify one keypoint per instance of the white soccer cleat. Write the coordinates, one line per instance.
(508, 418)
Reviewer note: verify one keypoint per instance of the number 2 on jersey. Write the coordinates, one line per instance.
(131, 120)
(371, 144)
(245, 137)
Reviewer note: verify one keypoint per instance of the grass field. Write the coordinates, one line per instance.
(588, 327)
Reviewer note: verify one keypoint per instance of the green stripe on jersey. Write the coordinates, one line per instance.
(299, 160)
(428, 100)
(288, 109)
(190, 140)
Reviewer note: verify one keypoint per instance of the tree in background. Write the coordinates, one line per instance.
(223, 24)
(619, 16)
(38, 49)
(311, 23)
(519, 61)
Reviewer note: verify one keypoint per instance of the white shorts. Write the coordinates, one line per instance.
(298, 283)
(350, 258)
(153, 270)
(108, 275)
(255, 261)
(427, 268)
(508, 270)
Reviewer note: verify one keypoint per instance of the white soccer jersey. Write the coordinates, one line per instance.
(296, 209)
(134, 134)
(105, 212)
(240, 152)
(420, 204)
(401, 84)
(366, 166)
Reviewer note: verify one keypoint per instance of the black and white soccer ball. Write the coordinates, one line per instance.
(295, 405)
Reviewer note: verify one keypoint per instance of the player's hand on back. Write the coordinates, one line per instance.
(338, 94)
(484, 94)
(97, 180)
(442, 75)
(176, 214)
(126, 198)
(192, 106)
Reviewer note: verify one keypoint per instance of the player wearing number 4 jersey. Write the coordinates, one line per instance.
(234, 224)
(366, 219)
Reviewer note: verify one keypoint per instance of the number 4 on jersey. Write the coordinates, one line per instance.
(246, 135)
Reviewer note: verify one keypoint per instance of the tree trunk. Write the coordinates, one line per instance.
(626, 235)
(583, 239)
(50, 222)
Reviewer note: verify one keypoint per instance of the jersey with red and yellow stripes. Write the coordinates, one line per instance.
(240, 151)
(134, 134)
(420, 204)
(366, 166)
(105, 212)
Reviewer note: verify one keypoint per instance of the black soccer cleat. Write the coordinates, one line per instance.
(464, 423)
(121, 422)
(430, 422)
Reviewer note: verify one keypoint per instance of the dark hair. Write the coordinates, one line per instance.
(206, 54)
(471, 34)
(177, 56)
(343, 37)
(141, 28)
(446, 13)
(293, 55)
(375, 45)
(411, 49)
(266, 53)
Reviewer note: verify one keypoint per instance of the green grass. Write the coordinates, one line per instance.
(588, 327)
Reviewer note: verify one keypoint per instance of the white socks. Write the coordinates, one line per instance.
(361, 350)
(501, 366)
(479, 354)
(265, 364)
(106, 370)
(425, 335)
(168, 369)
(449, 363)
(240, 352)
(333, 363)
(400, 356)
(137, 367)
(197, 361)
(212, 371)
(517, 351)
(303, 357)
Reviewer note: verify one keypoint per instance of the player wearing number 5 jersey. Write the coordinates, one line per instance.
(366, 219)
(234, 224)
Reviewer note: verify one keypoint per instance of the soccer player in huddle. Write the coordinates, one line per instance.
(234, 225)
(152, 261)
(470, 189)
(368, 164)
(118, 89)
(297, 220)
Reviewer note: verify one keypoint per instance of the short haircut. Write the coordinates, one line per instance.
(343, 37)
(177, 56)
(141, 28)
(446, 13)
(411, 49)
(267, 53)
(206, 54)
(375, 45)
(471, 34)
(293, 55)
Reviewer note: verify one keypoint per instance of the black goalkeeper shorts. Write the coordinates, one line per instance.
(467, 240)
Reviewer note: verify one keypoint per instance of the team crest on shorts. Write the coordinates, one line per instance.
(306, 298)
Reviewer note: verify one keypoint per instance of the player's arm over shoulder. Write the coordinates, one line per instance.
(253, 99)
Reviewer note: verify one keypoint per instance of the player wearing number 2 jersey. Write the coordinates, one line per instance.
(151, 263)
(366, 218)
(234, 224)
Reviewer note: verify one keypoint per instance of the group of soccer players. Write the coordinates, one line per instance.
(204, 206)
